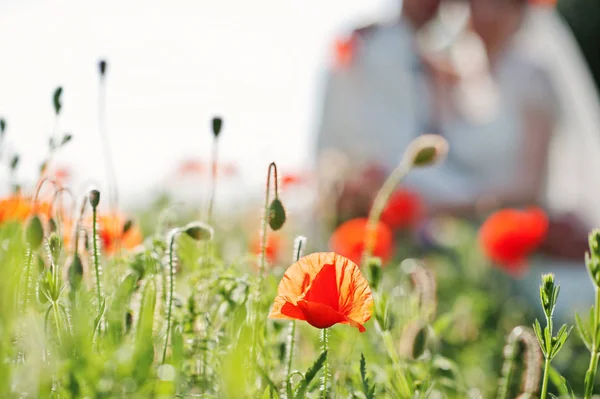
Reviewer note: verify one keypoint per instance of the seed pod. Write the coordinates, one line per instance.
(199, 231)
(35, 232)
(426, 150)
(276, 216)
(94, 198)
(217, 125)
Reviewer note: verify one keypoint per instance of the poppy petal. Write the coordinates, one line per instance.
(324, 288)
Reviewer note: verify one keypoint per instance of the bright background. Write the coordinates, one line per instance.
(171, 67)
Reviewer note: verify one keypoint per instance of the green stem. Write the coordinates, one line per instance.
(27, 278)
(403, 377)
(171, 289)
(290, 349)
(589, 386)
(213, 187)
(380, 201)
(57, 321)
(325, 348)
(96, 258)
(545, 379)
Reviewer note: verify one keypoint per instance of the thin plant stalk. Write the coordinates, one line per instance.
(263, 234)
(593, 367)
(292, 335)
(381, 199)
(28, 262)
(171, 288)
(213, 181)
(96, 258)
(325, 348)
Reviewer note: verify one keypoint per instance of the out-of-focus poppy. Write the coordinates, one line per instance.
(508, 236)
(345, 49)
(546, 3)
(324, 289)
(274, 247)
(191, 167)
(404, 210)
(19, 208)
(115, 231)
(289, 180)
(350, 237)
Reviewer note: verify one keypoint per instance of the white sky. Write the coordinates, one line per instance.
(172, 65)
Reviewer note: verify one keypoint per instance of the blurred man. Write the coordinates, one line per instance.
(377, 98)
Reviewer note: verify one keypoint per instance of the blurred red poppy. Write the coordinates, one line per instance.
(509, 236)
(273, 250)
(350, 237)
(324, 289)
(293, 179)
(19, 208)
(115, 231)
(344, 51)
(191, 167)
(404, 210)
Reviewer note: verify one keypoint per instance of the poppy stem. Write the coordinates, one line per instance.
(171, 282)
(298, 249)
(263, 236)
(325, 348)
(213, 182)
(96, 256)
(381, 199)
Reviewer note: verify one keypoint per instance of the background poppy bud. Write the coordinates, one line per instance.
(217, 125)
(414, 340)
(276, 215)
(102, 67)
(127, 226)
(75, 272)
(52, 225)
(14, 162)
(55, 245)
(94, 198)
(199, 231)
(65, 139)
(426, 150)
(374, 268)
(2, 126)
(56, 100)
(35, 232)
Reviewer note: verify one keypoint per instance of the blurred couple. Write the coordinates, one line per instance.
(508, 90)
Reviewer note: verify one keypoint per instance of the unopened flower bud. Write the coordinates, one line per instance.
(374, 268)
(55, 245)
(276, 216)
(35, 232)
(14, 162)
(217, 125)
(426, 150)
(94, 198)
(199, 231)
(102, 66)
(56, 100)
(52, 227)
(75, 272)
(2, 126)
(127, 226)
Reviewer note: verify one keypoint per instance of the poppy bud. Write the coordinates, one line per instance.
(75, 272)
(55, 245)
(52, 227)
(94, 198)
(414, 340)
(276, 216)
(2, 126)
(102, 66)
(56, 100)
(35, 232)
(374, 268)
(14, 162)
(128, 321)
(65, 139)
(426, 150)
(217, 125)
(199, 231)
(127, 226)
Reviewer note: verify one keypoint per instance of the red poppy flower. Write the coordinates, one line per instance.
(344, 51)
(324, 289)
(403, 210)
(115, 233)
(508, 236)
(273, 250)
(350, 237)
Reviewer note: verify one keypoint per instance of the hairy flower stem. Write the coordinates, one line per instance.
(292, 335)
(325, 348)
(263, 233)
(25, 299)
(379, 203)
(96, 257)
(589, 388)
(171, 288)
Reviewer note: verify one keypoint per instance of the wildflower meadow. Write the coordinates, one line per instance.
(96, 302)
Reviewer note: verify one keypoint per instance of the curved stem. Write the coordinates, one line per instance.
(379, 203)
(263, 237)
(171, 289)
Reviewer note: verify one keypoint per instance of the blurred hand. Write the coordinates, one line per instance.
(566, 238)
